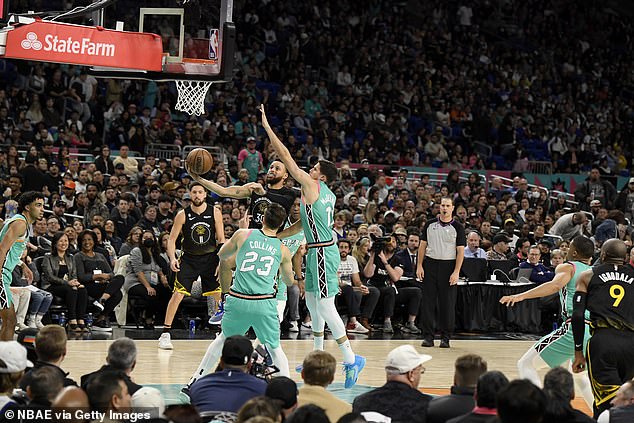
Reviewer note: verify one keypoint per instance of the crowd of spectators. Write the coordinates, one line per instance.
(31, 378)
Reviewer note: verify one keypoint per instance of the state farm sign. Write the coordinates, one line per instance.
(88, 46)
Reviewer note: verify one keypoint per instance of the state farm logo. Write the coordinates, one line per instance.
(31, 42)
(83, 46)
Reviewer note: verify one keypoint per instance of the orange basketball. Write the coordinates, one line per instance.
(199, 161)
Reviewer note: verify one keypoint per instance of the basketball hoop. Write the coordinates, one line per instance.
(191, 96)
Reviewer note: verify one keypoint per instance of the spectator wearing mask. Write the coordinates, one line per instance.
(399, 399)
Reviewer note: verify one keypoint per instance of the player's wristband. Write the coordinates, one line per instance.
(578, 320)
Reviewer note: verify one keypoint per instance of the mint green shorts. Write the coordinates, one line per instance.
(261, 315)
(559, 346)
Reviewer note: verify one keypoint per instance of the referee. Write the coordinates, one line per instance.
(606, 291)
(440, 256)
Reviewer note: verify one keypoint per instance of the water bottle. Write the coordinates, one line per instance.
(89, 320)
(192, 326)
(62, 319)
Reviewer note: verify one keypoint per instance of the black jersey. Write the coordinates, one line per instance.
(284, 196)
(611, 297)
(199, 232)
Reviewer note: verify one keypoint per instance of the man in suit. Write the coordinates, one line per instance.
(406, 258)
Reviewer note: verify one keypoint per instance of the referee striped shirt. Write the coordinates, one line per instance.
(443, 238)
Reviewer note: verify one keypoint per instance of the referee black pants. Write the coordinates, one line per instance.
(437, 291)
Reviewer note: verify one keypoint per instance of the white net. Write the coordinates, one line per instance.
(191, 96)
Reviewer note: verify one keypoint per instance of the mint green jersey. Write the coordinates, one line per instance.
(568, 291)
(322, 259)
(318, 218)
(12, 260)
(257, 263)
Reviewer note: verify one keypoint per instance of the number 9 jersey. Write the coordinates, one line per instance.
(611, 297)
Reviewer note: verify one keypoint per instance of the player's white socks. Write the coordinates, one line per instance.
(583, 384)
(526, 367)
(214, 351)
(346, 349)
(318, 342)
(280, 361)
(281, 306)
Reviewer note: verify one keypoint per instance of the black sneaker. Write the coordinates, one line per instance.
(444, 343)
(427, 342)
(102, 326)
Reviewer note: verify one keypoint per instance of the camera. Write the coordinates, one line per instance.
(262, 364)
(378, 243)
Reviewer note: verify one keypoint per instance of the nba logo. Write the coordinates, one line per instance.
(213, 44)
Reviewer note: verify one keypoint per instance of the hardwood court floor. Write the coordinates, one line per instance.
(156, 366)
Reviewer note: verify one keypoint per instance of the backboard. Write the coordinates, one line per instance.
(196, 37)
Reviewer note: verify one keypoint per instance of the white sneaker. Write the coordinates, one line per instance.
(165, 342)
(307, 325)
(31, 322)
(38, 321)
(294, 327)
(21, 326)
(358, 328)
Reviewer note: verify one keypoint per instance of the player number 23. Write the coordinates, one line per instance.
(248, 264)
(617, 292)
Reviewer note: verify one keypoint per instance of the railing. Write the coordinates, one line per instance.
(163, 151)
(544, 168)
(508, 183)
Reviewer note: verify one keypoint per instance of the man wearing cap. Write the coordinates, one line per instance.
(251, 159)
(509, 231)
(130, 164)
(500, 250)
(59, 208)
(14, 363)
(400, 398)
(625, 200)
(231, 385)
(285, 391)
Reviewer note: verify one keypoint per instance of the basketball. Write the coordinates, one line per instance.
(199, 161)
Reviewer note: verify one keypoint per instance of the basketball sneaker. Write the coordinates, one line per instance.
(165, 342)
(184, 395)
(352, 371)
(216, 319)
(356, 327)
